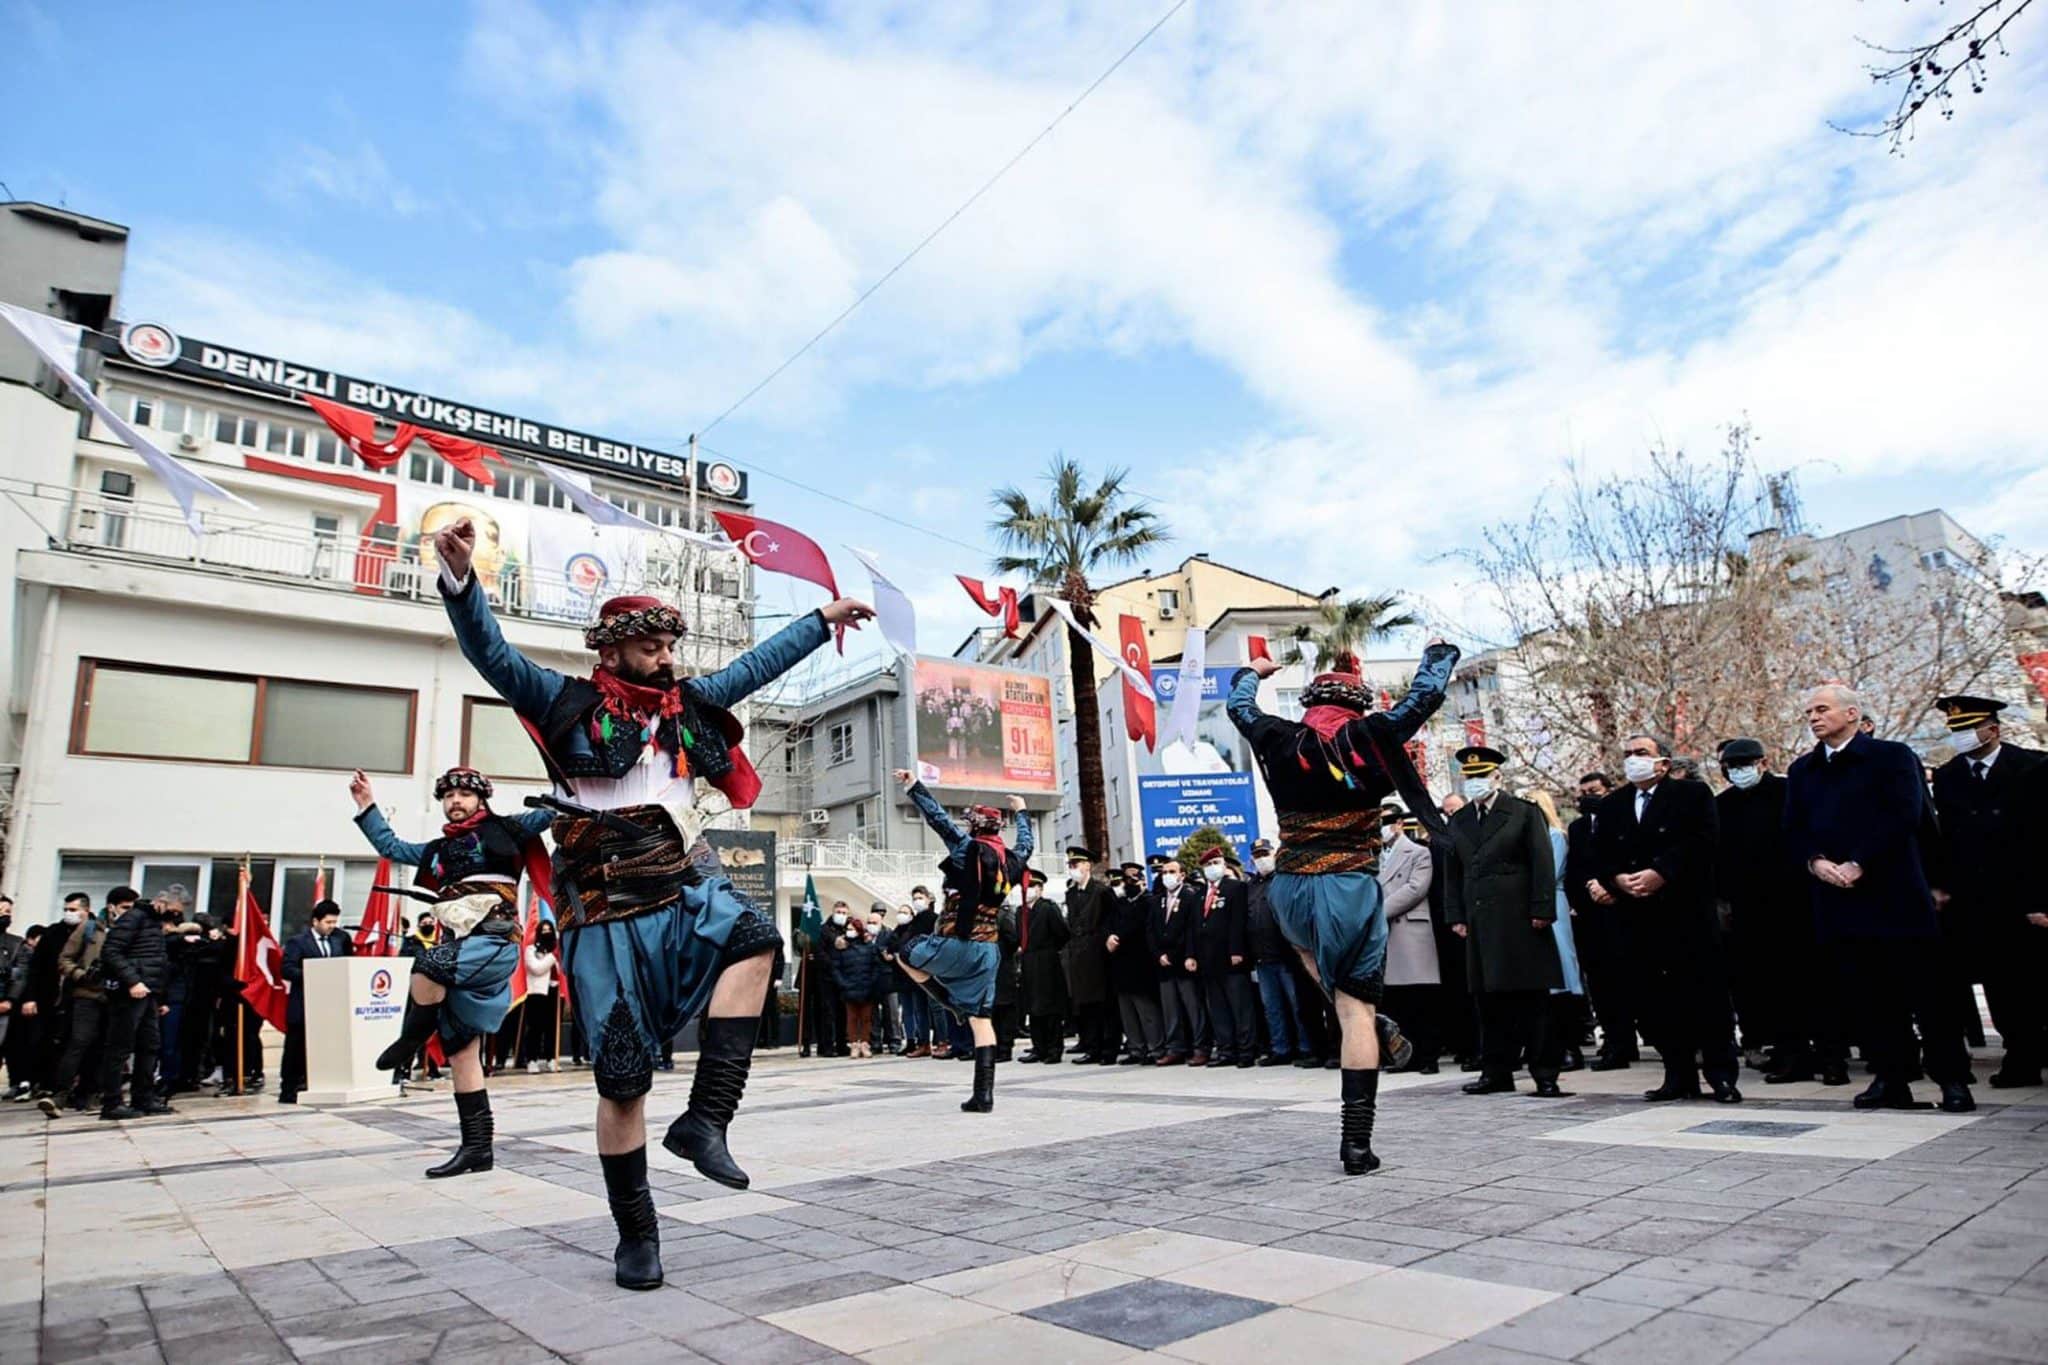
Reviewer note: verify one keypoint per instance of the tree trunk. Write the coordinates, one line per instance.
(1088, 746)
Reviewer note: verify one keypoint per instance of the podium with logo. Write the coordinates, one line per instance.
(354, 1006)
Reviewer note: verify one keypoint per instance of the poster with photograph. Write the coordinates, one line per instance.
(982, 728)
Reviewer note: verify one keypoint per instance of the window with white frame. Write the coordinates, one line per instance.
(840, 738)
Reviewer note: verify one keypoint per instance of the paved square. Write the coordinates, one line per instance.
(1096, 1216)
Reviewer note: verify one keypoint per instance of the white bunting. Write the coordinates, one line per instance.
(1187, 696)
(1138, 681)
(893, 612)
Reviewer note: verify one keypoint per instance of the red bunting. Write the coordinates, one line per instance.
(465, 454)
(1003, 602)
(358, 431)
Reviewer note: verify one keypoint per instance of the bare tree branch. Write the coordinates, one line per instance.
(1927, 73)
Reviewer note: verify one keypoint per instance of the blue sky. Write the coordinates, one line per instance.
(1338, 293)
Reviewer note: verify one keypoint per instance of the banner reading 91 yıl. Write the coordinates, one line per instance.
(982, 728)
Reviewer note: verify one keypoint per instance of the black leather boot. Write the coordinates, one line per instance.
(474, 1111)
(725, 1055)
(420, 1023)
(1361, 1106)
(984, 1098)
(1395, 1047)
(637, 1262)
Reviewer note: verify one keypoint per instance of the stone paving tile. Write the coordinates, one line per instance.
(1149, 1313)
(1565, 1328)
(1679, 1337)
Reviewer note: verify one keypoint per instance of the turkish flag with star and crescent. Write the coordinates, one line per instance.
(781, 549)
(259, 962)
(358, 431)
(1141, 717)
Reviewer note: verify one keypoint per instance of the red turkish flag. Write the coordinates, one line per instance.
(2036, 666)
(1141, 717)
(259, 962)
(465, 454)
(358, 431)
(1256, 648)
(380, 917)
(784, 550)
(1475, 730)
(1002, 602)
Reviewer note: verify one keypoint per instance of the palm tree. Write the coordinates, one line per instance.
(1060, 545)
(1342, 628)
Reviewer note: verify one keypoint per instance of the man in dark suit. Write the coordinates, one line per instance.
(318, 940)
(1990, 797)
(1169, 936)
(1500, 897)
(1223, 962)
(1653, 864)
(1784, 992)
(1598, 935)
(1853, 814)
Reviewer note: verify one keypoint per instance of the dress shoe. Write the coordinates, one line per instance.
(1608, 1064)
(1956, 1098)
(1134, 1059)
(1788, 1076)
(1307, 1063)
(1548, 1090)
(119, 1115)
(1199, 1059)
(1428, 1068)
(1883, 1094)
(1490, 1085)
(1244, 1062)
(1110, 1059)
(1834, 1074)
(1332, 1064)
(1171, 1059)
(1667, 1092)
(1271, 1060)
(1725, 1092)
(160, 1108)
(2007, 1079)
(1027, 1058)
(1574, 1060)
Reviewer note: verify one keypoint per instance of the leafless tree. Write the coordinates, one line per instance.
(1927, 75)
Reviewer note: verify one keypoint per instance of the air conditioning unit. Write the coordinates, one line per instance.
(818, 816)
(188, 442)
(1167, 613)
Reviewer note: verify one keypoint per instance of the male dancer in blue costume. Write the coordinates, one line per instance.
(1328, 774)
(652, 930)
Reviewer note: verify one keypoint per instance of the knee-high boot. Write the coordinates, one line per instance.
(725, 1056)
(1361, 1106)
(419, 1025)
(636, 1264)
(984, 1097)
(475, 1154)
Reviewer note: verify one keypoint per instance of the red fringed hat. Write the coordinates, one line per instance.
(983, 819)
(462, 780)
(1341, 686)
(626, 618)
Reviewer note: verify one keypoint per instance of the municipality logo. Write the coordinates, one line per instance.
(380, 984)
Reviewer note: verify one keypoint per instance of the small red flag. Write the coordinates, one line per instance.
(1141, 717)
(781, 549)
(1002, 602)
(380, 918)
(1257, 647)
(358, 431)
(259, 962)
(465, 454)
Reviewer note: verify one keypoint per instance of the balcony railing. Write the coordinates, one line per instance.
(856, 857)
(381, 562)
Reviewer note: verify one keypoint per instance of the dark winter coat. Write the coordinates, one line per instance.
(1262, 932)
(1042, 938)
(1501, 882)
(1090, 912)
(1133, 967)
(1865, 807)
(1218, 929)
(1578, 865)
(135, 951)
(1764, 888)
(45, 981)
(1677, 837)
(857, 969)
(1987, 860)
(1170, 927)
(1009, 981)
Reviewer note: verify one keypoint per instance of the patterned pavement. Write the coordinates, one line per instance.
(1100, 1214)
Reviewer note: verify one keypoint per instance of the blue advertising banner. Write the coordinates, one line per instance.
(1170, 808)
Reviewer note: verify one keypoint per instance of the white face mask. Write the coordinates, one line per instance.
(73, 916)
(1478, 787)
(1213, 871)
(1077, 873)
(921, 902)
(1264, 863)
(1639, 767)
(1170, 880)
(903, 917)
(1744, 777)
(874, 926)
(1964, 741)
(1389, 833)
(839, 919)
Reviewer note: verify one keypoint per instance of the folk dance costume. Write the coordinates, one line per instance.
(960, 952)
(648, 918)
(473, 869)
(1328, 774)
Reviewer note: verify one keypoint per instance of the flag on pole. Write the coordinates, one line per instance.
(781, 549)
(358, 431)
(1187, 692)
(811, 922)
(1256, 648)
(259, 962)
(893, 612)
(1141, 713)
(57, 343)
(1002, 602)
(320, 882)
(1140, 683)
(380, 917)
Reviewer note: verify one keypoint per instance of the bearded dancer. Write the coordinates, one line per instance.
(461, 988)
(1328, 774)
(652, 930)
(960, 952)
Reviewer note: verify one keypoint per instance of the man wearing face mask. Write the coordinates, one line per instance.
(920, 1015)
(1042, 937)
(1134, 970)
(1169, 937)
(1654, 861)
(1090, 907)
(1278, 995)
(1223, 963)
(1990, 796)
(1500, 898)
(1598, 933)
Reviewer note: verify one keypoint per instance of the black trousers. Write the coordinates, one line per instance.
(1009, 1022)
(2014, 986)
(825, 1032)
(1514, 1025)
(84, 1040)
(1684, 1010)
(133, 1029)
(1895, 991)
(291, 1068)
(1318, 1015)
(1233, 1004)
(1417, 1010)
(1049, 1036)
(1603, 960)
(1099, 1034)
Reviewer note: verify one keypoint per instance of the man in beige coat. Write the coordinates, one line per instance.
(1412, 979)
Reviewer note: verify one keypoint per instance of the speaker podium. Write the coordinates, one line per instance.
(353, 1009)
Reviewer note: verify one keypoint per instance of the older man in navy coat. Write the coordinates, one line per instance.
(1853, 814)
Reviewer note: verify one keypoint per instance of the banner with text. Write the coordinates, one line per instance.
(1170, 808)
(981, 728)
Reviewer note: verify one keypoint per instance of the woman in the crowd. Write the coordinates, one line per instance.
(1569, 1001)
(858, 970)
(538, 1044)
